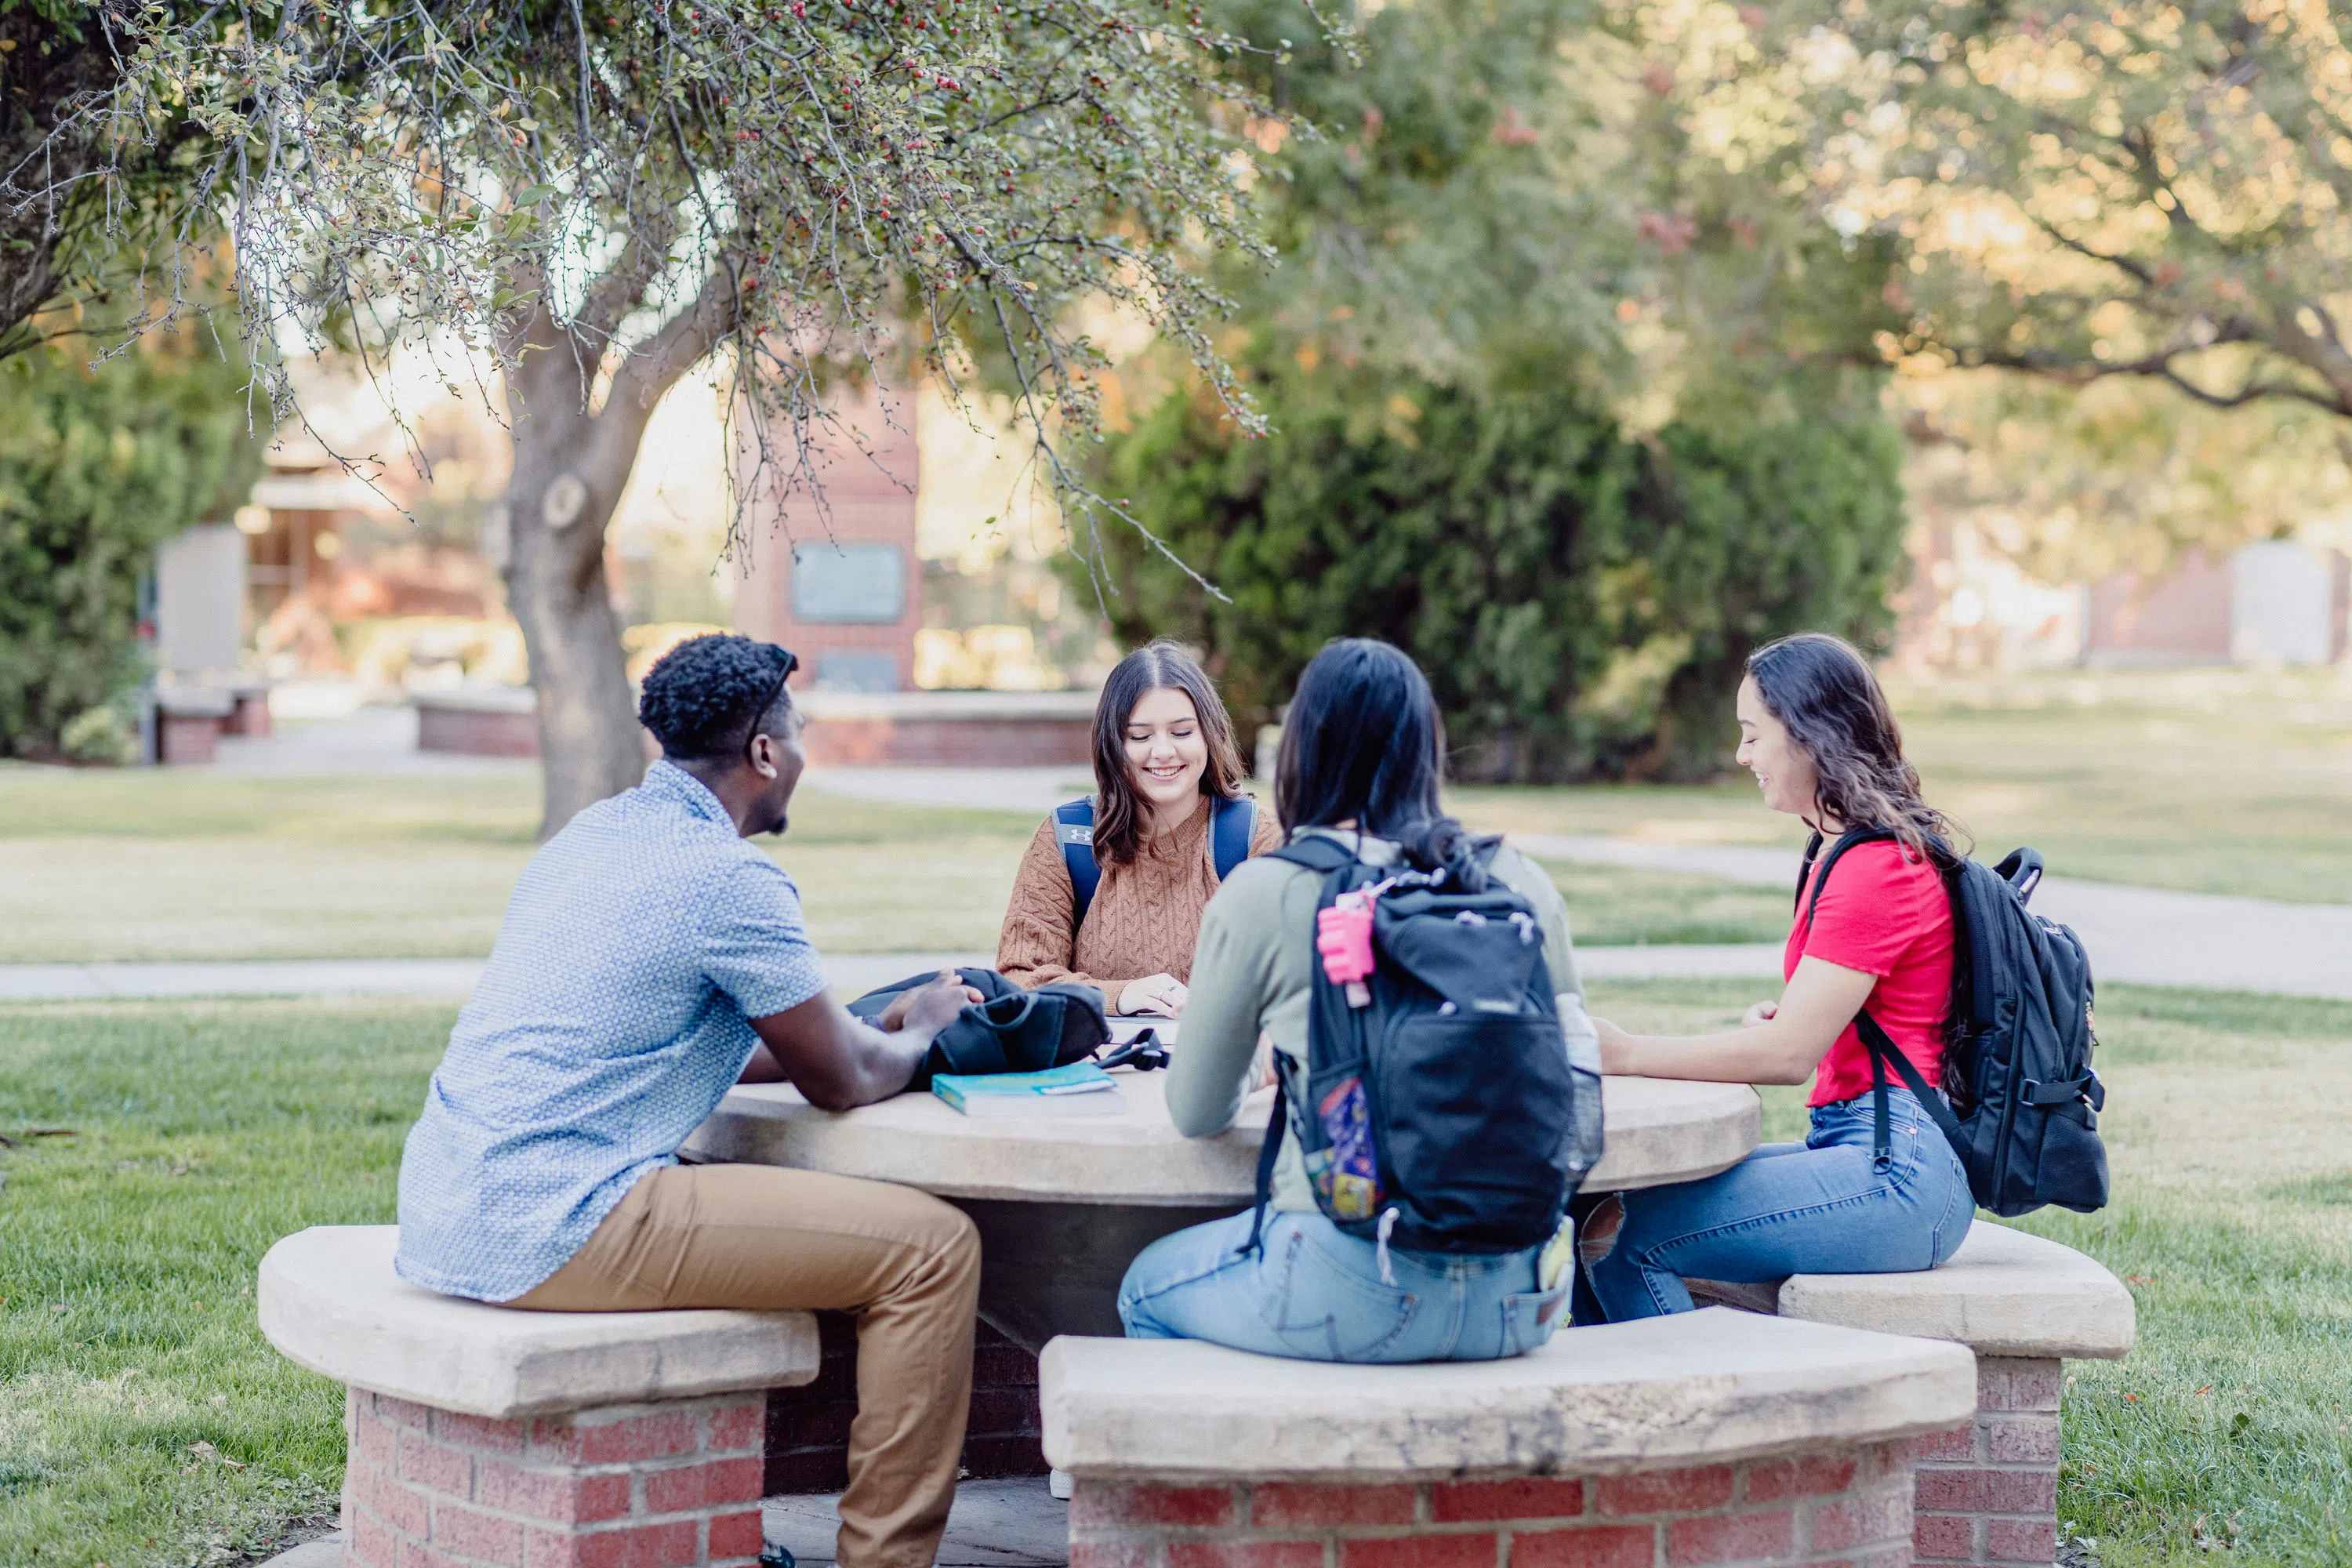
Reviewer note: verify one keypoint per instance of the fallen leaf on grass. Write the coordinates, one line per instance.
(2141, 1279)
(2132, 1397)
(2206, 1389)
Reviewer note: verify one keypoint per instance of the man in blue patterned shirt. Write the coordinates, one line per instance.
(652, 958)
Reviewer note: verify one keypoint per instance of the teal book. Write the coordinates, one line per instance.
(1080, 1089)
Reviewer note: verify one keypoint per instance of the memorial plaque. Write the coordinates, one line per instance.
(854, 583)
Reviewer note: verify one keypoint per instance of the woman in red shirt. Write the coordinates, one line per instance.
(1816, 730)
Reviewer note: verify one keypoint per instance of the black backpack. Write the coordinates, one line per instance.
(1232, 823)
(1445, 1116)
(2024, 1103)
(1009, 1030)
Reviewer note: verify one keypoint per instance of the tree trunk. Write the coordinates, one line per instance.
(570, 468)
(569, 471)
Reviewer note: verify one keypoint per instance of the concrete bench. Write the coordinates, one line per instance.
(478, 1434)
(1712, 1437)
(1988, 1490)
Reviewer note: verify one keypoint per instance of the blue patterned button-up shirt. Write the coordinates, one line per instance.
(611, 1020)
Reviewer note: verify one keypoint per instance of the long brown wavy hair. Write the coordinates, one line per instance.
(1121, 819)
(1822, 689)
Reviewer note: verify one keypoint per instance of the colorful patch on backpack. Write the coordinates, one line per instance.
(1347, 1174)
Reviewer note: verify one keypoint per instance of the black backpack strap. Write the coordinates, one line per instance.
(1872, 1036)
(1231, 824)
(1073, 829)
(1276, 1124)
(1316, 851)
(1805, 871)
(1883, 1052)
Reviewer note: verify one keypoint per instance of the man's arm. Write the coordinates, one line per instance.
(839, 1062)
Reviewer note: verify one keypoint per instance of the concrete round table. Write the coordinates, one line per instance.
(1064, 1204)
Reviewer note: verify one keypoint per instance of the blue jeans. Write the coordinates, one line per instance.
(1815, 1207)
(1314, 1293)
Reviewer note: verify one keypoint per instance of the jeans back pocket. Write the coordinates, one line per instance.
(1529, 1318)
(1322, 1310)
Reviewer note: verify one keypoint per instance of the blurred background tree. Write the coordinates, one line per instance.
(565, 209)
(2127, 256)
(97, 468)
(1562, 403)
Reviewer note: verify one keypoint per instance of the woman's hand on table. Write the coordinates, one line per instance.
(1160, 995)
(928, 1008)
(1616, 1048)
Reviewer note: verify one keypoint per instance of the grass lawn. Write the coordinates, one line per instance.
(153, 865)
(2232, 1222)
(2216, 782)
(143, 1422)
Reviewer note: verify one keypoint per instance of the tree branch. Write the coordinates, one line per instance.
(653, 366)
(2161, 367)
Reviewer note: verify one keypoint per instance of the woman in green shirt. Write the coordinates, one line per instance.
(1362, 760)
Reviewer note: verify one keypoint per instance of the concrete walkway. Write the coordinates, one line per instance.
(2150, 935)
(446, 979)
(853, 974)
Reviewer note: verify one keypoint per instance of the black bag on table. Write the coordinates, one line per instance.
(1009, 1030)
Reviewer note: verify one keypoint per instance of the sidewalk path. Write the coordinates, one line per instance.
(2150, 935)
(446, 979)
(853, 974)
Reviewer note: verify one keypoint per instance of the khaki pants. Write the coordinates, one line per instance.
(751, 1236)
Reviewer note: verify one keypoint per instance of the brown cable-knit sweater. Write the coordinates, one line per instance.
(1145, 916)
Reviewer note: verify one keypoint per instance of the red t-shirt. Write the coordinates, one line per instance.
(1885, 913)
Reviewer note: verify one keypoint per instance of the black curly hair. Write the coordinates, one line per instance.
(705, 698)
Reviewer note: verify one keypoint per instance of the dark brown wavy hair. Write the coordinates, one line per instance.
(1121, 819)
(1822, 689)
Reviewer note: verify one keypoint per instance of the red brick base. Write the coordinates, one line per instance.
(1846, 1507)
(1989, 1492)
(674, 1484)
(808, 1426)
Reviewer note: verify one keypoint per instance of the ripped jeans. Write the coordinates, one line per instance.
(1815, 1207)
(1314, 1293)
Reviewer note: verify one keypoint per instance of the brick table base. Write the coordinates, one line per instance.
(1849, 1507)
(808, 1426)
(1989, 1491)
(674, 1484)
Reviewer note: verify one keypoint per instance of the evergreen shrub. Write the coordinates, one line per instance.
(1581, 598)
(97, 468)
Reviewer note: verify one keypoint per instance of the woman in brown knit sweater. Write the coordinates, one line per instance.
(1164, 757)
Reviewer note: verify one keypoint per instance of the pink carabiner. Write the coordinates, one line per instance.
(1343, 935)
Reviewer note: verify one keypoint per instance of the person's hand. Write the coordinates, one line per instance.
(1161, 995)
(1762, 1013)
(1615, 1046)
(928, 1008)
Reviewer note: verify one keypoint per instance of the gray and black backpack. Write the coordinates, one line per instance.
(1446, 1115)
